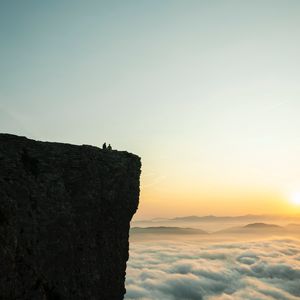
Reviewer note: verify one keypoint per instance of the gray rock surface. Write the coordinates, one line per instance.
(65, 212)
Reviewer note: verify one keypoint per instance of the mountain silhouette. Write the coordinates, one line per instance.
(165, 230)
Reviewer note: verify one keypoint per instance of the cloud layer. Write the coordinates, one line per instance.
(198, 270)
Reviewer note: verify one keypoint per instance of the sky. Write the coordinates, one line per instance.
(206, 92)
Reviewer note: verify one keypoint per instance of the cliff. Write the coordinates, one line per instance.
(65, 212)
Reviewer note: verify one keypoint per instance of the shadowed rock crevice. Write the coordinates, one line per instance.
(30, 164)
(64, 219)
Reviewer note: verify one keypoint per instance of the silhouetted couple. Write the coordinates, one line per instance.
(104, 147)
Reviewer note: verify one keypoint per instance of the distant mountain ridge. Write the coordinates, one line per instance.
(261, 225)
(256, 228)
(252, 228)
(166, 230)
(213, 218)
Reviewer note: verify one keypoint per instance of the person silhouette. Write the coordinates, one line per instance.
(109, 147)
(104, 146)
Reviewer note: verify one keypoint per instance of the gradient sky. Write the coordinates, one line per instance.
(206, 92)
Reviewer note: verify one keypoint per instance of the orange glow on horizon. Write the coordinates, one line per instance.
(214, 200)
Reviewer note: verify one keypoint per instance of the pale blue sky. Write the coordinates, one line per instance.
(207, 92)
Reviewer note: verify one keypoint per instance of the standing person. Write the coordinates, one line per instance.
(104, 146)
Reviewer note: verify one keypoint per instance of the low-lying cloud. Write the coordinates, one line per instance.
(258, 270)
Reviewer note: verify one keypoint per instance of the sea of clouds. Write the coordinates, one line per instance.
(195, 270)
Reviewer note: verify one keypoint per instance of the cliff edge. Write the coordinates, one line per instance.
(64, 219)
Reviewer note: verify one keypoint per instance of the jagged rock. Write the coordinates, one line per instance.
(64, 220)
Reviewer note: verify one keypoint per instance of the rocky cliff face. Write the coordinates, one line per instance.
(64, 220)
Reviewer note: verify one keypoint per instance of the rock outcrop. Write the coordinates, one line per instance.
(65, 212)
